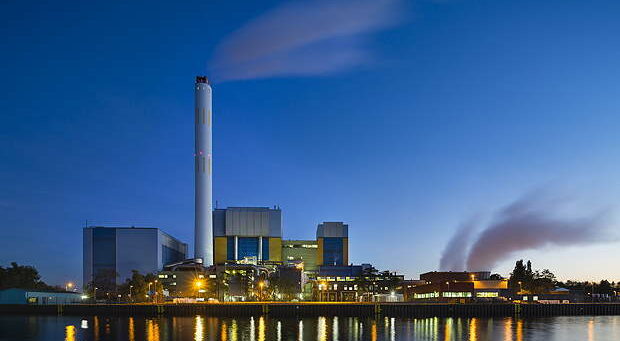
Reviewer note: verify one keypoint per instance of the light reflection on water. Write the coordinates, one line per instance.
(264, 328)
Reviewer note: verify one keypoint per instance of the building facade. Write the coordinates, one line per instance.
(113, 252)
(23, 296)
(247, 233)
(301, 252)
(458, 287)
(333, 243)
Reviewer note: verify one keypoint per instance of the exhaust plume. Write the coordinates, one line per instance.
(304, 38)
(454, 255)
(530, 223)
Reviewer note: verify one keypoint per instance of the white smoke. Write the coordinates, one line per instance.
(304, 38)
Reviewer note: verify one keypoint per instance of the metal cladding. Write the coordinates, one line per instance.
(203, 229)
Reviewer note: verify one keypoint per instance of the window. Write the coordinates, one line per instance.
(426, 295)
(487, 294)
(456, 294)
(333, 251)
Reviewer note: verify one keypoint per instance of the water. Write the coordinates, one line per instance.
(203, 328)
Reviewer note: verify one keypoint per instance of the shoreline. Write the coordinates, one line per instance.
(312, 309)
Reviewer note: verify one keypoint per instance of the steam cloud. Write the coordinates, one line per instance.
(529, 223)
(304, 38)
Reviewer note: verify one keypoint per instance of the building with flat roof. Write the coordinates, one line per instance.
(247, 232)
(111, 253)
(461, 286)
(333, 243)
(24, 296)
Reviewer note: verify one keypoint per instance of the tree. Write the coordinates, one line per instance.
(103, 284)
(141, 288)
(496, 277)
(523, 278)
(286, 282)
(366, 280)
(519, 276)
(23, 277)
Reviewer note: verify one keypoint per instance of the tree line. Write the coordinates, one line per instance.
(524, 279)
(23, 277)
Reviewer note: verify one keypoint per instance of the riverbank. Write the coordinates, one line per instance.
(308, 309)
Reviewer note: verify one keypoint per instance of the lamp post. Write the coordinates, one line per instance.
(68, 286)
(95, 294)
(198, 284)
(261, 284)
(520, 287)
(130, 297)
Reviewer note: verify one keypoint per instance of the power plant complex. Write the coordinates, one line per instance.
(238, 251)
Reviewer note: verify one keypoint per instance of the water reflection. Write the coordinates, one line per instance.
(199, 328)
(70, 333)
(263, 328)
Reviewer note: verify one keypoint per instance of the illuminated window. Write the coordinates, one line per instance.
(456, 294)
(487, 294)
(426, 295)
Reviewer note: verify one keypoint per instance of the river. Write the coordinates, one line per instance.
(203, 328)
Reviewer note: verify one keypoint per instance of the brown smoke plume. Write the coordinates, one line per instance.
(530, 223)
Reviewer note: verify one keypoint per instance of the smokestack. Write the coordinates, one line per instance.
(203, 229)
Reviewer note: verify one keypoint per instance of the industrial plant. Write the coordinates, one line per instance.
(240, 254)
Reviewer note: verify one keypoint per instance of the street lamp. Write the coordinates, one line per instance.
(261, 285)
(95, 294)
(198, 284)
(520, 287)
(130, 297)
(68, 286)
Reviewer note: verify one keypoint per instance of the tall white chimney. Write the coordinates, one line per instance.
(203, 229)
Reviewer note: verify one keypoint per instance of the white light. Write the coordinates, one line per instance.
(84, 297)
(84, 324)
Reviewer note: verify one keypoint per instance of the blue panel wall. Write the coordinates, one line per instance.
(248, 247)
(104, 250)
(333, 252)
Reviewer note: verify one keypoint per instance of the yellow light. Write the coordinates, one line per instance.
(198, 284)
(70, 285)
(261, 284)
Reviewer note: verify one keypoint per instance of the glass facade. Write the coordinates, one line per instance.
(247, 247)
(333, 252)
(104, 250)
(230, 248)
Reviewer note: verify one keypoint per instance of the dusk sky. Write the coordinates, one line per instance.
(404, 121)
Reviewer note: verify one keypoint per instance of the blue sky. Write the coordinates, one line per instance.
(463, 107)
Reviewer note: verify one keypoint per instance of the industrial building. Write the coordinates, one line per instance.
(111, 253)
(350, 283)
(247, 233)
(333, 243)
(458, 287)
(302, 252)
(23, 296)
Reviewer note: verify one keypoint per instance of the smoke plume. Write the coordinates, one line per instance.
(454, 255)
(304, 38)
(530, 223)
